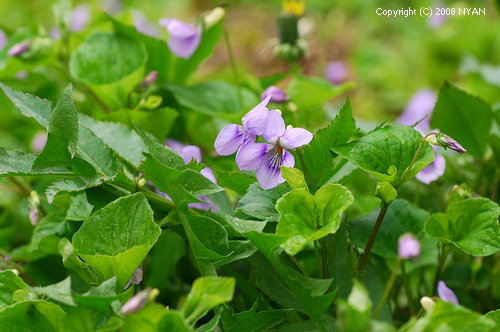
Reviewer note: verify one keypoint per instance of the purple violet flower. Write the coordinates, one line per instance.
(183, 38)
(408, 246)
(336, 72)
(188, 153)
(277, 95)
(267, 159)
(419, 110)
(233, 137)
(144, 26)
(80, 16)
(19, 48)
(446, 294)
(3, 39)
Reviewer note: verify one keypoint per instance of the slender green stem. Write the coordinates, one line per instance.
(324, 258)
(371, 239)
(444, 251)
(318, 259)
(233, 65)
(406, 284)
(301, 268)
(387, 289)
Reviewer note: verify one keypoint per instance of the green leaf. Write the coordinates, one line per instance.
(471, 225)
(115, 239)
(9, 283)
(159, 54)
(388, 152)
(207, 293)
(30, 106)
(464, 117)
(171, 321)
(32, 316)
(84, 319)
(286, 285)
(214, 98)
(99, 297)
(294, 178)
(312, 91)
(317, 154)
(110, 64)
(446, 316)
(260, 203)
(305, 218)
(73, 263)
(236, 181)
(251, 320)
(62, 137)
(14, 163)
(80, 208)
(495, 316)
(45, 237)
(60, 292)
(401, 217)
(185, 67)
(386, 192)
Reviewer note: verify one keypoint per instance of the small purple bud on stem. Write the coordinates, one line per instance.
(34, 215)
(408, 246)
(444, 141)
(150, 79)
(138, 301)
(19, 48)
(446, 294)
(336, 72)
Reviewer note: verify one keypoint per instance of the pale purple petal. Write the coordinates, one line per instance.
(190, 152)
(19, 48)
(136, 302)
(55, 33)
(183, 38)
(207, 205)
(34, 215)
(150, 78)
(229, 139)
(144, 26)
(162, 194)
(288, 160)
(38, 141)
(419, 108)
(255, 121)
(209, 174)
(277, 95)
(448, 142)
(446, 294)
(80, 17)
(275, 126)
(252, 156)
(336, 72)
(269, 177)
(295, 137)
(408, 246)
(433, 171)
(136, 278)
(175, 145)
(3, 39)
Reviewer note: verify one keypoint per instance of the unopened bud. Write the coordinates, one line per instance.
(444, 141)
(150, 78)
(34, 216)
(427, 303)
(139, 300)
(19, 48)
(214, 17)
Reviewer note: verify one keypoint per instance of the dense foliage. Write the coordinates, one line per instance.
(138, 196)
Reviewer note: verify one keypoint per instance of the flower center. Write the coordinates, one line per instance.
(274, 157)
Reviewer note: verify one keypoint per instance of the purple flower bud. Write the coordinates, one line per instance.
(419, 110)
(336, 72)
(184, 38)
(3, 39)
(136, 303)
(408, 246)
(277, 95)
(21, 75)
(79, 17)
(55, 33)
(136, 278)
(38, 141)
(34, 216)
(150, 79)
(444, 141)
(19, 48)
(446, 294)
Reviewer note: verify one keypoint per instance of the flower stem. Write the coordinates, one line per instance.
(409, 296)
(371, 239)
(444, 251)
(318, 259)
(233, 65)
(387, 289)
(324, 258)
(301, 268)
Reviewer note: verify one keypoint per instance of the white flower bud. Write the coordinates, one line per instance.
(214, 17)
(427, 303)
